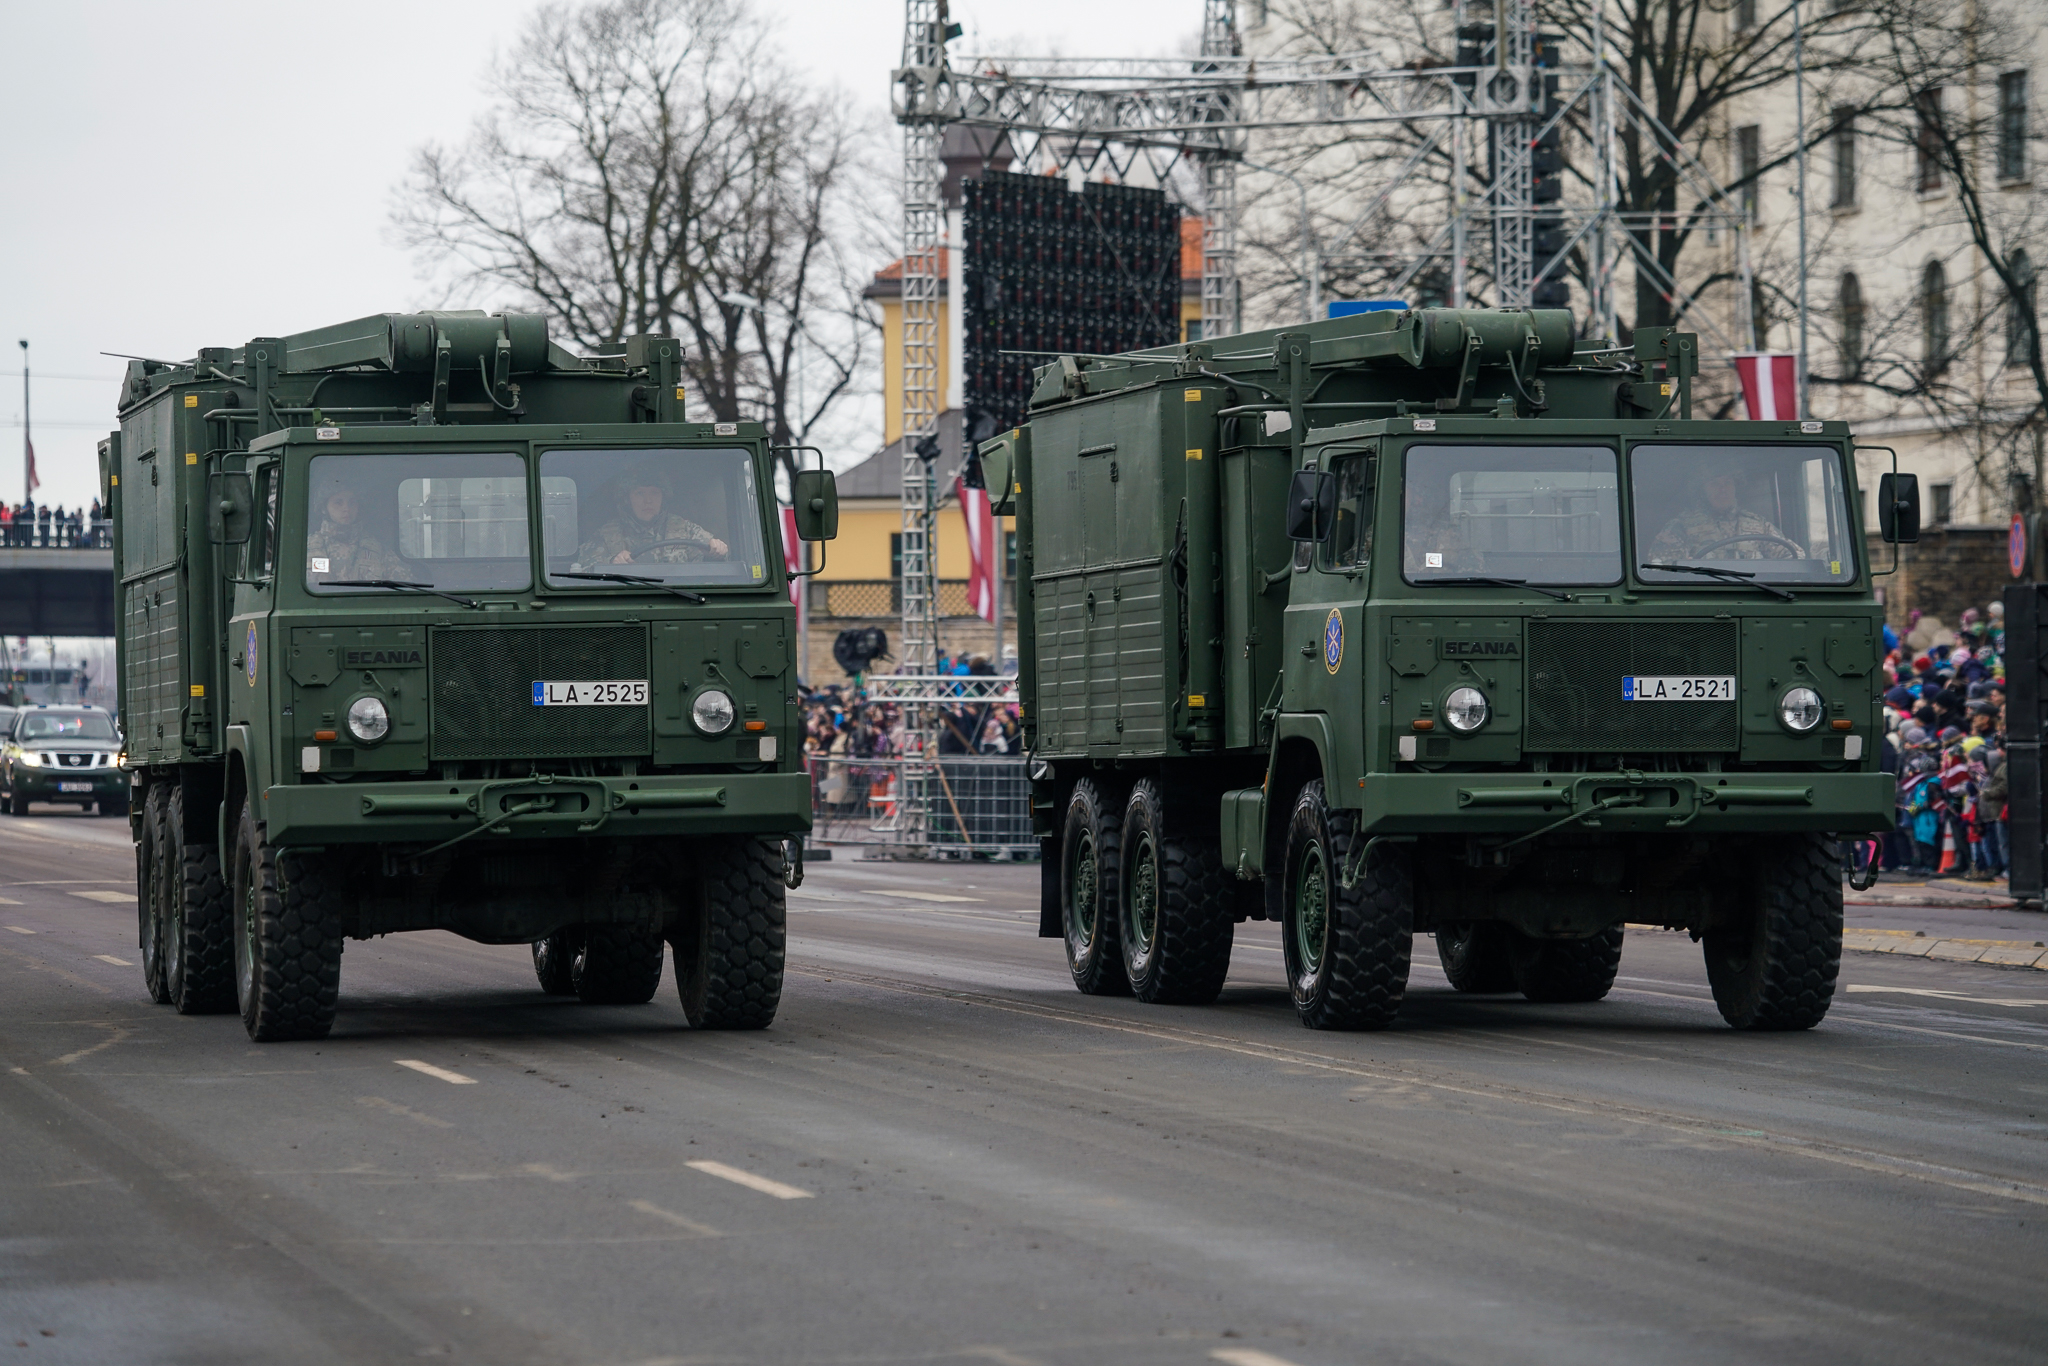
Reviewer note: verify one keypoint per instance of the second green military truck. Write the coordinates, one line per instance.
(428, 623)
(1436, 621)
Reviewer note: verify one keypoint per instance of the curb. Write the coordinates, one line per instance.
(2008, 953)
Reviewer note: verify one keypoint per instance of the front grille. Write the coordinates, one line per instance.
(482, 679)
(1575, 673)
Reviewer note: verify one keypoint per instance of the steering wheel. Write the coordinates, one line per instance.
(660, 545)
(1797, 552)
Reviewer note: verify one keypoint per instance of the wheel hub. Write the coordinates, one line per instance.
(1311, 911)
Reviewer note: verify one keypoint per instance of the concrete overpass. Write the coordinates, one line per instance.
(56, 592)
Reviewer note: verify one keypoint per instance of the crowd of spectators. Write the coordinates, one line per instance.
(1945, 741)
(841, 721)
(24, 525)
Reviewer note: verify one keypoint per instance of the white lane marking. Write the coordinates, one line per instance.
(393, 1107)
(749, 1180)
(1952, 995)
(1247, 1356)
(442, 1073)
(105, 896)
(924, 896)
(652, 1210)
(19, 930)
(8, 901)
(117, 1034)
(117, 962)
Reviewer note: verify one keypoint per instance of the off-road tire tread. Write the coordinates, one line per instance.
(1102, 974)
(1793, 984)
(1375, 919)
(205, 983)
(299, 936)
(552, 960)
(1196, 905)
(152, 886)
(1562, 971)
(729, 974)
(621, 965)
(1485, 969)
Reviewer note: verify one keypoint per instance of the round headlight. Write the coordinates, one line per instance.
(1465, 710)
(368, 721)
(1800, 709)
(712, 711)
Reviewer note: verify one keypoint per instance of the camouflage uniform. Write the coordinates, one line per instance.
(1435, 531)
(1692, 531)
(349, 555)
(629, 533)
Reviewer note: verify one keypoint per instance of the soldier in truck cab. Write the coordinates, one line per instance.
(644, 533)
(339, 549)
(1716, 525)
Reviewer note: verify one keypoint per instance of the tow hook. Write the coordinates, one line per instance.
(793, 862)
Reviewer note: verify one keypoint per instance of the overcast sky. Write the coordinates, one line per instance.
(178, 175)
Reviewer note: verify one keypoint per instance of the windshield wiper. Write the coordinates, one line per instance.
(638, 578)
(400, 583)
(1503, 583)
(1741, 576)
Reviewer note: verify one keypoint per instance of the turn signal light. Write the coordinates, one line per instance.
(1844, 724)
(323, 735)
(755, 725)
(1424, 723)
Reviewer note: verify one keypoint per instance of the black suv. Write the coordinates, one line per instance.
(63, 754)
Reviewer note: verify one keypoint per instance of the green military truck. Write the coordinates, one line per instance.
(428, 623)
(1435, 621)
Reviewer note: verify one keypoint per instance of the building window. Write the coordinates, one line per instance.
(1934, 318)
(1927, 145)
(1191, 330)
(2020, 316)
(2012, 125)
(1850, 300)
(1745, 15)
(1944, 500)
(896, 555)
(1844, 140)
(1749, 160)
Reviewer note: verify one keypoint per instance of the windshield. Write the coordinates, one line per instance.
(680, 516)
(1544, 514)
(92, 725)
(448, 520)
(1777, 513)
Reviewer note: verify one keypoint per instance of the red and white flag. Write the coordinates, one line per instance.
(1770, 385)
(792, 552)
(33, 482)
(981, 548)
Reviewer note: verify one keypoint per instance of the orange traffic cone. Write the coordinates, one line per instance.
(1948, 848)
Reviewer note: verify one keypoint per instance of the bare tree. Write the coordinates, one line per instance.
(650, 166)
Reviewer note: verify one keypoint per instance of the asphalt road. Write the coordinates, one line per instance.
(942, 1153)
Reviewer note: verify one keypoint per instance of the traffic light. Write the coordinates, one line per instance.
(1546, 184)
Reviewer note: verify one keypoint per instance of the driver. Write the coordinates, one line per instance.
(643, 533)
(1715, 516)
(339, 549)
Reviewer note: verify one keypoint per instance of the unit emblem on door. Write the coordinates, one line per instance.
(1333, 640)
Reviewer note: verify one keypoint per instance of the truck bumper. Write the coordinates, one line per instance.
(1662, 803)
(539, 808)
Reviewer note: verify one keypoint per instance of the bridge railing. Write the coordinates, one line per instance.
(51, 533)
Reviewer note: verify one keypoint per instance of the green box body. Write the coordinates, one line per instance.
(1170, 627)
(236, 680)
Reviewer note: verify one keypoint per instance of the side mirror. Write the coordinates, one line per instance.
(230, 508)
(1898, 508)
(816, 495)
(1311, 506)
(999, 474)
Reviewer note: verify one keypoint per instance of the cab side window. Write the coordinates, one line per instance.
(263, 553)
(1350, 543)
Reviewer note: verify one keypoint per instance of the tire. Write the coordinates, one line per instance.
(17, 804)
(554, 956)
(1774, 965)
(731, 940)
(154, 882)
(199, 928)
(1347, 948)
(288, 936)
(1174, 906)
(616, 965)
(1566, 970)
(1089, 845)
(1475, 956)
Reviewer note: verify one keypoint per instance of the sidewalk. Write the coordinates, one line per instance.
(1961, 922)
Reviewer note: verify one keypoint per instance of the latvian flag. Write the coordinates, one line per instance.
(1770, 385)
(981, 541)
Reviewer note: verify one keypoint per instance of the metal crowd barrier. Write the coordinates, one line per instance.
(958, 806)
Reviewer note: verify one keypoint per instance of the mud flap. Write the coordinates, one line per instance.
(1049, 923)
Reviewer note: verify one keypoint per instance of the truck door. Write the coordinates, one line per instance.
(1325, 620)
(251, 657)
